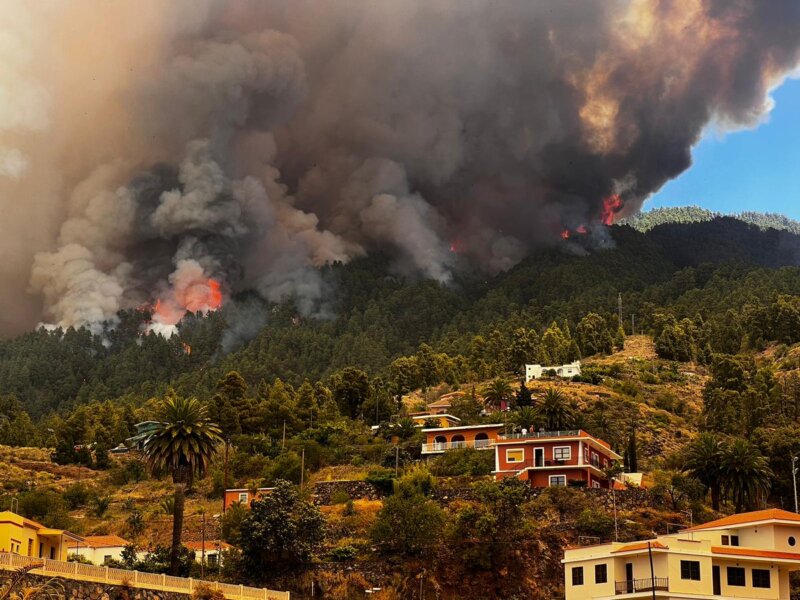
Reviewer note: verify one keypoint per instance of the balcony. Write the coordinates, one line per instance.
(444, 446)
(532, 435)
(632, 586)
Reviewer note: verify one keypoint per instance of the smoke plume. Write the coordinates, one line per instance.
(170, 153)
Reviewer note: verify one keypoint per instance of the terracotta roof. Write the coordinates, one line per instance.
(736, 551)
(641, 546)
(101, 541)
(772, 514)
(440, 403)
(210, 545)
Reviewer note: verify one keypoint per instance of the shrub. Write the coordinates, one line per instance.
(383, 479)
(340, 497)
(463, 462)
(76, 495)
(343, 554)
(595, 523)
(206, 592)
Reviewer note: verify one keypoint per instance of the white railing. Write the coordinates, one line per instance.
(443, 446)
(540, 434)
(137, 579)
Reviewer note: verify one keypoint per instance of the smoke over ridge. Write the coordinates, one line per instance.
(182, 150)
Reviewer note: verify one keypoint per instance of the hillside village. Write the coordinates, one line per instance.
(562, 475)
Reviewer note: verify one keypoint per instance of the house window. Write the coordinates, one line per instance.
(30, 547)
(595, 484)
(792, 541)
(726, 540)
(690, 569)
(107, 558)
(600, 573)
(577, 575)
(52, 553)
(562, 453)
(212, 560)
(734, 540)
(558, 480)
(736, 576)
(761, 578)
(515, 455)
(243, 497)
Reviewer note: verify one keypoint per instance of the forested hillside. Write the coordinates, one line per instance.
(646, 220)
(728, 278)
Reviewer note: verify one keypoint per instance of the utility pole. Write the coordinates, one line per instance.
(203, 547)
(302, 467)
(283, 440)
(633, 324)
(225, 473)
(652, 572)
(794, 481)
(619, 308)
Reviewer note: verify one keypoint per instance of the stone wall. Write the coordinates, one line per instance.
(357, 490)
(81, 590)
(450, 489)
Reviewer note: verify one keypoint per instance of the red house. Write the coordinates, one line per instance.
(554, 458)
(243, 496)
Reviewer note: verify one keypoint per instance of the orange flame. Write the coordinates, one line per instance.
(611, 206)
(565, 234)
(204, 296)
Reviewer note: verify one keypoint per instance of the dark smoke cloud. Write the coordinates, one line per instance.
(253, 141)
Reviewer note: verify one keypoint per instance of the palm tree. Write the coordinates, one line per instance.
(745, 473)
(555, 411)
(526, 418)
(497, 392)
(183, 444)
(703, 462)
(403, 429)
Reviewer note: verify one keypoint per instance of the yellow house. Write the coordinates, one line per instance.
(29, 538)
(748, 555)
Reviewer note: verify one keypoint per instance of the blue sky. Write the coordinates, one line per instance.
(755, 169)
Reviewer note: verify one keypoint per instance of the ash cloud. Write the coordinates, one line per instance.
(258, 140)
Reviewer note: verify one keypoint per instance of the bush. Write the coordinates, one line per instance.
(340, 497)
(463, 462)
(595, 523)
(383, 479)
(206, 592)
(343, 554)
(129, 472)
(76, 495)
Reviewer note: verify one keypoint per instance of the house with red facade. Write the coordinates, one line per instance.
(554, 458)
(243, 496)
(442, 439)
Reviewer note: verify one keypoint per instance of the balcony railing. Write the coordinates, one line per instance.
(136, 579)
(444, 446)
(540, 434)
(631, 586)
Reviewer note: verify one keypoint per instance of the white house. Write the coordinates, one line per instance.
(213, 549)
(99, 549)
(537, 371)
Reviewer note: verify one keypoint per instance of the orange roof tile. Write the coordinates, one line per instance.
(100, 541)
(641, 546)
(772, 514)
(737, 551)
(210, 545)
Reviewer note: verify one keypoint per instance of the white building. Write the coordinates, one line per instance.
(213, 551)
(99, 549)
(537, 371)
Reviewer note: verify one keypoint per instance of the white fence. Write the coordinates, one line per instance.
(444, 446)
(137, 579)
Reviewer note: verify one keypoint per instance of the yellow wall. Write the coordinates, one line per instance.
(20, 536)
